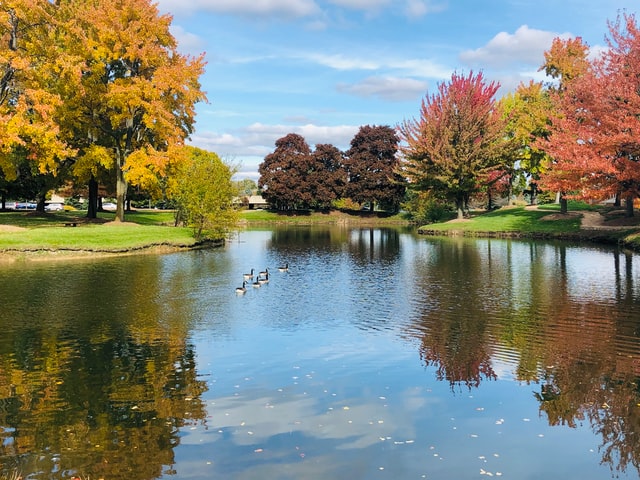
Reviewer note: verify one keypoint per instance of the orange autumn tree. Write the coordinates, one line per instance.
(28, 130)
(135, 93)
(566, 60)
(595, 139)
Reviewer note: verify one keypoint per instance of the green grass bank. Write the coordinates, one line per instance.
(32, 235)
(582, 222)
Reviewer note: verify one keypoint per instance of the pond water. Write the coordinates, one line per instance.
(379, 354)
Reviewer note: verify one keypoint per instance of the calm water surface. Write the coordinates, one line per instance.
(379, 355)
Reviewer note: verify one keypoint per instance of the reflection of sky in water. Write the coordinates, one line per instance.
(358, 407)
(318, 375)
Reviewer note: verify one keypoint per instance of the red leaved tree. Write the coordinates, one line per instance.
(595, 138)
(457, 141)
(283, 174)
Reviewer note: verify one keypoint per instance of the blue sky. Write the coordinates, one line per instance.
(323, 68)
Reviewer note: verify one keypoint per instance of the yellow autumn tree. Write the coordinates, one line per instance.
(134, 95)
(28, 128)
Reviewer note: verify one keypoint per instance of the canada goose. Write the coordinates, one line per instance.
(264, 273)
(242, 289)
(284, 268)
(256, 284)
(264, 279)
(248, 276)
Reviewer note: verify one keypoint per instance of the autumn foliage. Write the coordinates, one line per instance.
(595, 136)
(457, 139)
(98, 87)
(294, 177)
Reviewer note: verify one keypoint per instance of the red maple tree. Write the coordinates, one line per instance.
(595, 135)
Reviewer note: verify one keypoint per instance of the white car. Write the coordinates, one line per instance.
(53, 207)
(109, 206)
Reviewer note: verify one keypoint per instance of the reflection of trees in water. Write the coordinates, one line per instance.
(455, 326)
(108, 410)
(367, 245)
(363, 244)
(93, 385)
(582, 351)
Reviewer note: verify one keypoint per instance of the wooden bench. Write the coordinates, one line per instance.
(71, 224)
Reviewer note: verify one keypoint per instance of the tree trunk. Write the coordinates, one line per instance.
(564, 204)
(41, 200)
(628, 204)
(460, 207)
(121, 188)
(92, 209)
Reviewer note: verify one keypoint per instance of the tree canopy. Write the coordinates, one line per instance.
(283, 174)
(136, 94)
(594, 135)
(457, 139)
(201, 186)
(372, 166)
(96, 85)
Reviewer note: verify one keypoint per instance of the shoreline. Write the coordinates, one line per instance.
(62, 254)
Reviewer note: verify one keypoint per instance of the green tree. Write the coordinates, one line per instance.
(457, 140)
(528, 116)
(202, 188)
(372, 163)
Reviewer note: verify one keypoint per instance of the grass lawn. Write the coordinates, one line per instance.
(514, 219)
(29, 231)
(303, 217)
(26, 231)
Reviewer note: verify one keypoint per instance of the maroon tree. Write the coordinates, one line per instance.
(372, 165)
(284, 174)
(327, 177)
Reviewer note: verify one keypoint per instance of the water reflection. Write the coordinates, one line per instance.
(567, 318)
(379, 353)
(96, 373)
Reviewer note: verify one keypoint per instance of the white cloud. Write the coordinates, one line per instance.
(394, 89)
(420, 8)
(248, 146)
(258, 139)
(414, 67)
(340, 62)
(361, 4)
(526, 45)
(419, 67)
(411, 8)
(187, 42)
(274, 8)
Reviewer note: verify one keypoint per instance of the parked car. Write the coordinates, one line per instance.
(24, 206)
(53, 207)
(109, 206)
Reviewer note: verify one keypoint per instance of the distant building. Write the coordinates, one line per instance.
(257, 202)
(252, 202)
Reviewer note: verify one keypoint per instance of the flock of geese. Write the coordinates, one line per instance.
(260, 279)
